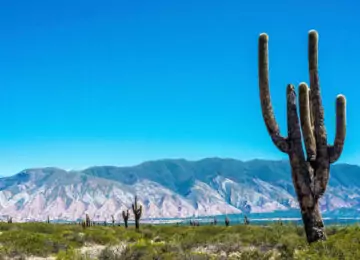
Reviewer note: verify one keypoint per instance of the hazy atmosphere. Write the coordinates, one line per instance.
(121, 82)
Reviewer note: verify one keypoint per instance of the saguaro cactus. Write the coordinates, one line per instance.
(310, 173)
(227, 221)
(87, 220)
(246, 220)
(113, 220)
(137, 210)
(125, 216)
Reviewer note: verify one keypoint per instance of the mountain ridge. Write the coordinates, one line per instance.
(168, 188)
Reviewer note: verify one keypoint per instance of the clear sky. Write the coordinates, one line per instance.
(88, 83)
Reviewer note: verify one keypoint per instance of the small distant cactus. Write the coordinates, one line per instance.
(87, 220)
(113, 220)
(125, 215)
(246, 220)
(227, 221)
(137, 210)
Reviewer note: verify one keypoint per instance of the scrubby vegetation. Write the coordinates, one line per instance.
(286, 241)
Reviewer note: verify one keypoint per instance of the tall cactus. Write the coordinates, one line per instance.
(137, 210)
(125, 215)
(310, 173)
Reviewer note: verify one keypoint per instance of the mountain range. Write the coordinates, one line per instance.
(168, 188)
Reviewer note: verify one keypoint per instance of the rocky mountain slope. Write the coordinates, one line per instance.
(167, 188)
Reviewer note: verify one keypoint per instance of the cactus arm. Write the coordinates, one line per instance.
(306, 122)
(301, 172)
(315, 99)
(299, 168)
(266, 106)
(134, 205)
(336, 149)
(140, 211)
(294, 132)
(322, 156)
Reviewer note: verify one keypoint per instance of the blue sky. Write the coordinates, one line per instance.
(118, 82)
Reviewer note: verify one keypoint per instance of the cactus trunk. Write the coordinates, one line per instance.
(310, 171)
(313, 224)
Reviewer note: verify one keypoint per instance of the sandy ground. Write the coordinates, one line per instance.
(91, 250)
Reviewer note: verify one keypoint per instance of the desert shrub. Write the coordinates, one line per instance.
(101, 235)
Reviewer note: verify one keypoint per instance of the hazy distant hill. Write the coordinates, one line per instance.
(206, 187)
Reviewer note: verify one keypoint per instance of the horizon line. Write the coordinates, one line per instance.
(162, 159)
